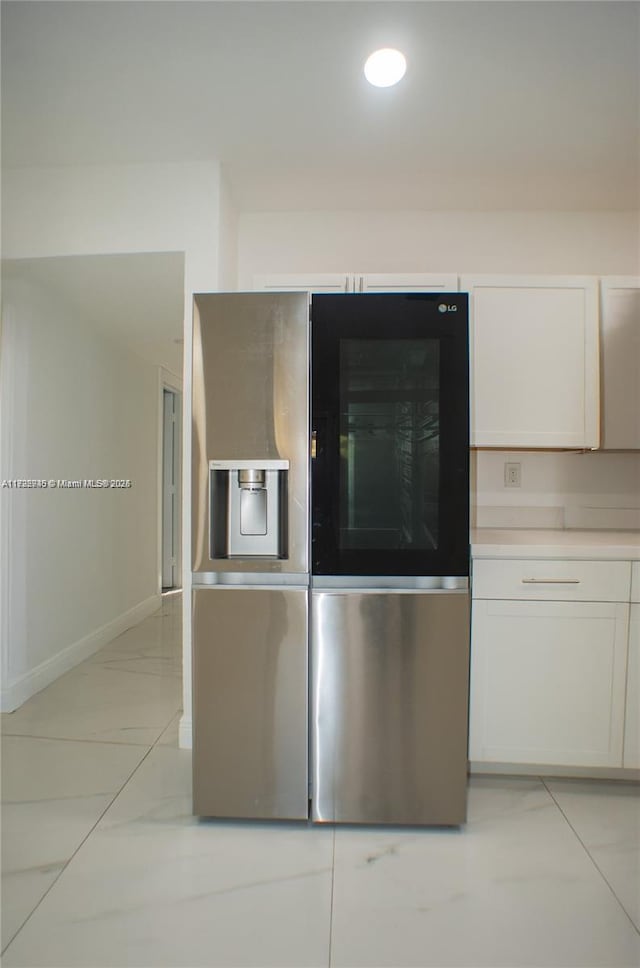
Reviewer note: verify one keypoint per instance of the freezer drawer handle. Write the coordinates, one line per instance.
(550, 581)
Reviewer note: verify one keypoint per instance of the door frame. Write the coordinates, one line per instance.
(167, 381)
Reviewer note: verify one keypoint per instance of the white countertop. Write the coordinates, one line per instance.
(492, 543)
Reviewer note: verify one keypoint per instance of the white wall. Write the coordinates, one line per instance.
(80, 565)
(115, 209)
(598, 243)
(228, 240)
(559, 490)
(123, 208)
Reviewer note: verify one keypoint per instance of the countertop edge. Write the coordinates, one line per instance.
(585, 545)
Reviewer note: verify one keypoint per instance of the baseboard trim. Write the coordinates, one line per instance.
(27, 685)
(185, 733)
(477, 768)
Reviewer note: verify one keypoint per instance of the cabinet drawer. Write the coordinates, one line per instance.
(551, 580)
(635, 581)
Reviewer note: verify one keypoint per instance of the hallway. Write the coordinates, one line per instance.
(104, 864)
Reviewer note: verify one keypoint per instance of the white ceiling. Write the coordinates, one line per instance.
(505, 104)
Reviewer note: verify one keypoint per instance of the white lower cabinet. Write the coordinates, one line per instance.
(632, 716)
(631, 759)
(548, 676)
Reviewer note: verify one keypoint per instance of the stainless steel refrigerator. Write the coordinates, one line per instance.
(331, 556)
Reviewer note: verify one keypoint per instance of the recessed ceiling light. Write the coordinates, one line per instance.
(385, 67)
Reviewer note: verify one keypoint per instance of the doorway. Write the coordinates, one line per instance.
(170, 489)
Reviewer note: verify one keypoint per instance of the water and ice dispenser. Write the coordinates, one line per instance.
(248, 508)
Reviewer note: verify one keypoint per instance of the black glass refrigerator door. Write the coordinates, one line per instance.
(390, 434)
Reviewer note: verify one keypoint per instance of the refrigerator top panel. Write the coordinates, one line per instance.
(250, 433)
(390, 432)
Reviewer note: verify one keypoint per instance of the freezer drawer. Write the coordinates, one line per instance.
(250, 703)
(389, 706)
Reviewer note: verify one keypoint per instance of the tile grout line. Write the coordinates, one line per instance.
(590, 856)
(156, 741)
(71, 739)
(84, 739)
(80, 845)
(333, 877)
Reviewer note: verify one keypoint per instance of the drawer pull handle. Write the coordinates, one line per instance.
(550, 581)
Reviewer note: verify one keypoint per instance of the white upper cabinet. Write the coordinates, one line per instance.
(406, 282)
(620, 330)
(359, 282)
(534, 361)
(313, 282)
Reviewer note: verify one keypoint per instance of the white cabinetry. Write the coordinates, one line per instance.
(407, 282)
(620, 363)
(534, 355)
(314, 282)
(632, 712)
(360, 282)
(548, 666)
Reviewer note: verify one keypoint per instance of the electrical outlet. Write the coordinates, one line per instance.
(511, 475)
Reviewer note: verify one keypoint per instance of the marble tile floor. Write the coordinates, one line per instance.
(104, 864)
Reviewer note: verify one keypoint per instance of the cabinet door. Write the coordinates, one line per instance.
(621, 363)
(313, 282)
(632, 713)
(548, 682)
(535, 368)
(635, 581)
(406, 282)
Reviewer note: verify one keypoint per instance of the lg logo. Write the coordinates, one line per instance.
(445, 308)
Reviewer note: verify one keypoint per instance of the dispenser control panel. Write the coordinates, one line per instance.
(248, 508)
